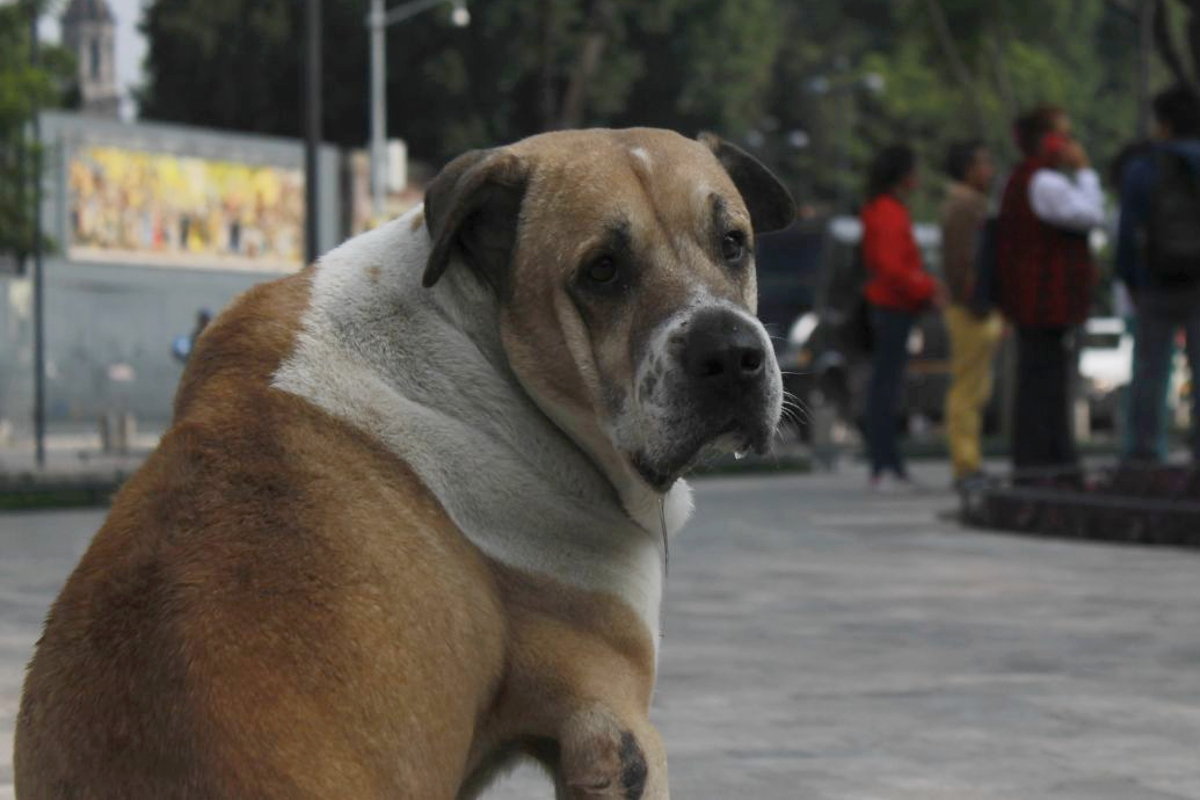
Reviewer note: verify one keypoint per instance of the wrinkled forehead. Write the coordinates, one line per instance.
(585, 181)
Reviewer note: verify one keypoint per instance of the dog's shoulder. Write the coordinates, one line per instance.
(242, 348)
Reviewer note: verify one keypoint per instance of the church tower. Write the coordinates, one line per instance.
(89, 31)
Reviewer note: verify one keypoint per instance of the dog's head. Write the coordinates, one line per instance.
(623, 263)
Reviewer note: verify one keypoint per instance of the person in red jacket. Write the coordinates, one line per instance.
(898, 289)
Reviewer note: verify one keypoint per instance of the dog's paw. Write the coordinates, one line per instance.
(599, 759)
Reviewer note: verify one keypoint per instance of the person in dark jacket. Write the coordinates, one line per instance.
(1124, 308)
(183, 345)
(897, 290)
(1164, 305)
(1051, 202)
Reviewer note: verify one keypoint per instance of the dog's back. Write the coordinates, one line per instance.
(177, 661)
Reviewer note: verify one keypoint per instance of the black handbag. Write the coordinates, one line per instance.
(857, 331)
(985, 293)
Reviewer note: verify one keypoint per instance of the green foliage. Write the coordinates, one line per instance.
(812, 88)
(236, 64)
(727, 44)
(964, 78)
(23, 88)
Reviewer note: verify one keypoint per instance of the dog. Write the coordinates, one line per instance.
(410, 519)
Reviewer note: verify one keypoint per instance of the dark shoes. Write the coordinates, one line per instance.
(970, 481)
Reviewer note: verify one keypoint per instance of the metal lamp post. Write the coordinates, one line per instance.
(39, 302)
(312, 131)
(377, 22)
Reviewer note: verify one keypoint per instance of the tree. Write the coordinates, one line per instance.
(1184, 67)
(520, 67)
(811, 88)
(950, 70)
(23, 88)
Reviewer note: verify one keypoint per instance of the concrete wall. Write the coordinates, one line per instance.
(110, 326)
(109, 331)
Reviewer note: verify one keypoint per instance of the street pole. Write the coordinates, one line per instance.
(378, 21)
(312, 134)
(39, 317)
(845, 192)
(1145, 60)
(378, 109)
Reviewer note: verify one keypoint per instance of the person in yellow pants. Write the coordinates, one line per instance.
(974, 337)
(973, 343)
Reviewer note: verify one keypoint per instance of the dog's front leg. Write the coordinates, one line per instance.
(607, 755)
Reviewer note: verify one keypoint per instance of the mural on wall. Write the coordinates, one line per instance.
(133, 206)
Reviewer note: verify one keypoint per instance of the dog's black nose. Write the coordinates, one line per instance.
(721, 350)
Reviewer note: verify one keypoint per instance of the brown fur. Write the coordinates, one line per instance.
(276, 607)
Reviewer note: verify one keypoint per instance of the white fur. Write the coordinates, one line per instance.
(644, 426)
(640, 152)
(424, 372)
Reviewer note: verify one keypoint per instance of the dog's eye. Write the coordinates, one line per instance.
(733, 246)
(602, 271)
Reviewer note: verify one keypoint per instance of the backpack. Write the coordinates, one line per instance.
(1173, 230)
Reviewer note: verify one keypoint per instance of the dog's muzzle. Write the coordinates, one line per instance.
(722, 392)
(724, 360)
(728, 372)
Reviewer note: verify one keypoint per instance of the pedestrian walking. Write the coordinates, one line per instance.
(1158, 259)
(1051, 203)
(898, 289)
(183, 344)
(974, 333)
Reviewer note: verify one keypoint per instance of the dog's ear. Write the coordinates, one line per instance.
(472, 205)
(770, 203)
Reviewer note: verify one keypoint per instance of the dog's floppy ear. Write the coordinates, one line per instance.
(472, 205)
(770, 203)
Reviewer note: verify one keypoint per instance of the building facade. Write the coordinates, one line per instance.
(89, 30)
(151, 223)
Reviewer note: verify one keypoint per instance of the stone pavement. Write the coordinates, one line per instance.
(825, 644)
(74, 453)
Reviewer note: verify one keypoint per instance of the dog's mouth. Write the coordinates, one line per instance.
(739, 437)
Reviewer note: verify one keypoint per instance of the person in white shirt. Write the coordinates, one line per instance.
(1067, 194)
(1046, 277)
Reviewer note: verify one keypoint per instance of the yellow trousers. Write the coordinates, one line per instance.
(973, 343)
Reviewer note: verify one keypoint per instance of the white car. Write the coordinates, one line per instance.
(1105, 367)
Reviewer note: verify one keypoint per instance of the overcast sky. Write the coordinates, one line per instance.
(131, 45)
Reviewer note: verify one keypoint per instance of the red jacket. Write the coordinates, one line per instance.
(893, 261)
(1046, 274)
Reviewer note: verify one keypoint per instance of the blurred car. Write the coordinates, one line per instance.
(1105, 368)
(823, 360)
(788, 264)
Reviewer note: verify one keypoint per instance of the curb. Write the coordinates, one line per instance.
(26, 491)
(1134, 506)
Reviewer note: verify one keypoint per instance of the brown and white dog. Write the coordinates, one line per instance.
(407, 523)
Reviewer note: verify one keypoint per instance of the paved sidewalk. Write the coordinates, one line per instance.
(74, 454)
(826, 644)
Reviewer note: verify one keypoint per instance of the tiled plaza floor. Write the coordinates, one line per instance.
(825, 644)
